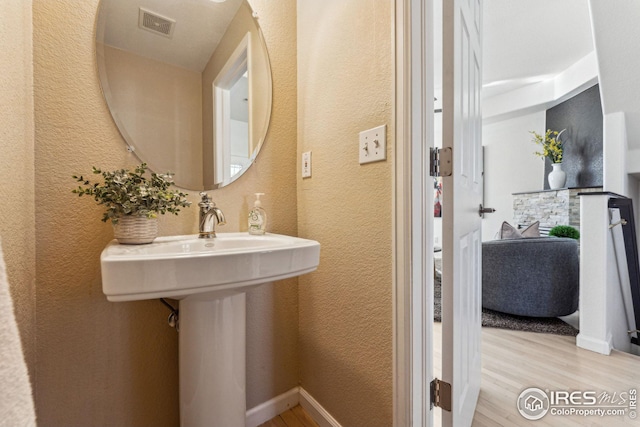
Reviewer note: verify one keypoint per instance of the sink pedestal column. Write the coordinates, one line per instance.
(212, 361)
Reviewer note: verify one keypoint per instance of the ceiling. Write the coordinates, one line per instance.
(528, 41)
(525, 41)
(199, 26)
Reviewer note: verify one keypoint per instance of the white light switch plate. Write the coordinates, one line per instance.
(373, 145)
(306, 164)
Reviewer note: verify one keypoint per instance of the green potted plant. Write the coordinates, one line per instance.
(552, 149)
(133, 201)
(564, 231)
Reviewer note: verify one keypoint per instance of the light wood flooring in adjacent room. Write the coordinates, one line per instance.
(294, 417)
(513, 361)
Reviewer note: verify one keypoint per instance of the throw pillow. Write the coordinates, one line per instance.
(508, 231)
(531, 231)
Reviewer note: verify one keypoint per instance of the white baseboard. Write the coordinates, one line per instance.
(316, 411)
(593, 344)
(272, 408)
(287, 400)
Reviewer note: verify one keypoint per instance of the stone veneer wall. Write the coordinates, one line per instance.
(550, 207)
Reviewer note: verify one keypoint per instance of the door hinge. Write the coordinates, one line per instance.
(441, 161)
(441, 394)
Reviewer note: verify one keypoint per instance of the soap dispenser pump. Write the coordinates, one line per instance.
(257, 217)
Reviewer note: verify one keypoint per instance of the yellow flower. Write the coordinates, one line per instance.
(552, 145)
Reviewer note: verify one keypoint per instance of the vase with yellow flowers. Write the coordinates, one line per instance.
(552, 149)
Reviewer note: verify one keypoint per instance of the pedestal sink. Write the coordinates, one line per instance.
(210, 278)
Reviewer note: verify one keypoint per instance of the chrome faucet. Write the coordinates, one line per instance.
(209, 216)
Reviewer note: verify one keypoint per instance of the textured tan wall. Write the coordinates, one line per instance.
(98, 363)
(345, 85)
(102, 363)
(160, 106)
(17, 216)
(272, 310)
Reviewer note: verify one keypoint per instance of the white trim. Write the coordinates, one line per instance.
(238, 63)
(413, 215)
(287, 400)
(594, 344)
(316, 411)
(272, 408)
(401, 232)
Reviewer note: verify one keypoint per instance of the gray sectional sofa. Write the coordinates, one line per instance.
(536, 277)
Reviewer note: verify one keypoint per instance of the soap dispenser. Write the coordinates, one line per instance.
(257, 217)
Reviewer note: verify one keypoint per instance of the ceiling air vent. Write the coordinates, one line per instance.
(158, 24)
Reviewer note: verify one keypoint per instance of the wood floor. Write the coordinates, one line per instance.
(294, 417)
(513, 361)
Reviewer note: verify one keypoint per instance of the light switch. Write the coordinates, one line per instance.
(306, 164)
(373, 145)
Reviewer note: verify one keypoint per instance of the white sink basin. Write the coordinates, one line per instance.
(179, 266)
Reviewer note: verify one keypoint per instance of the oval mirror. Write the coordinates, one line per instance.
(188, 85)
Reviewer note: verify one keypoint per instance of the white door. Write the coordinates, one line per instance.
(462, 243)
